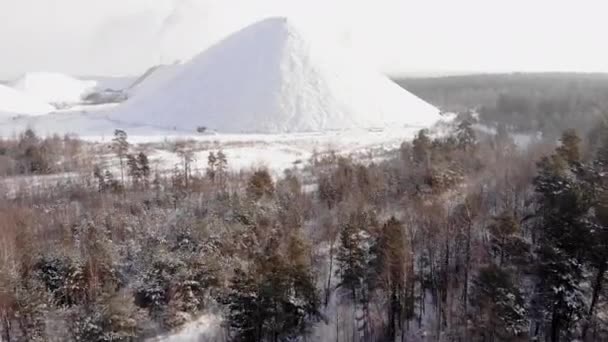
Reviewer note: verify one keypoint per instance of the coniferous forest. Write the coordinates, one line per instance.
(467, 235)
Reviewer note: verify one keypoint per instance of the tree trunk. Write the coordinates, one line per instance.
(597, 288)
(391, 331)
(185, 172)
(337, 324)
(554, 327)
(331, 262)
(446, 279)
(122, 173)
(466, 280)
(7, 329)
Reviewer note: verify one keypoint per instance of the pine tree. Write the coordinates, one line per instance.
(598, 248)
(222, 168)
(390, 263)
(421, 149)
(113, 321)
(246, 313)
(465, 135)
(144, 165)
(139, 169)
(352, 257)
(185, 151)
(569, 149)
(276, 298)
(260, 184)
(500, 312)
(100, 177)
(211, 166)
(111, 183)
(506, 243)
(133, 169)
(120, 145)
(564, 203)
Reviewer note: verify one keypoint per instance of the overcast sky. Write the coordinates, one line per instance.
(124, 37)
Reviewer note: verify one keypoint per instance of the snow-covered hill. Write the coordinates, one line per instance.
(14, 102)
(267, 78)
(54, 88)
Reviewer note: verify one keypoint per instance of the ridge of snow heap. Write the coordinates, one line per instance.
(54, 88)
(152, 78)
(266, 78)
(13, 101)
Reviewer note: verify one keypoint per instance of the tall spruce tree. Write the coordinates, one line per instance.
(499, 307)
(390, 262)
(564, 202)
(352, 257)
(465, 135)
(275, 299)
(421, 148)
(598, 247)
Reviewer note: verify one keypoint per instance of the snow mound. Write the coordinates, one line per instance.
(267, 78)
(13, 102)
(54, 88)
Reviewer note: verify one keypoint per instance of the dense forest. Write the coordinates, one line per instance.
(526, 102)
(461, 236)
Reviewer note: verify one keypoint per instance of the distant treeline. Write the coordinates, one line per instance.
(547, 102)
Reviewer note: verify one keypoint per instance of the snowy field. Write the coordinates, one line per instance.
(275, 151)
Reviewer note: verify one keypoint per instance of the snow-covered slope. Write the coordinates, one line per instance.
(54, 88)
(268, 78)
(14, 102)
(152, 79)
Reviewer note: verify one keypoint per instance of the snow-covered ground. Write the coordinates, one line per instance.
(244, 151)
(54, 88)
(14, 102)
(204, 329)
(283, 151)
(277, 152)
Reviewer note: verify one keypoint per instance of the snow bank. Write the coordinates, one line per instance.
(206, 328)
(15, 102)
(267, 78)
(54, 88)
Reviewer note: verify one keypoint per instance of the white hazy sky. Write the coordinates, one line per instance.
(124, 37)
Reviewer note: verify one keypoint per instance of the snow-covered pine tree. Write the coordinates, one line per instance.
(564, 203)
(120, 146)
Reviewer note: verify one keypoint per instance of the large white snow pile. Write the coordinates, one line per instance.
(267, 78)
(13, 101)
(54, 88)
